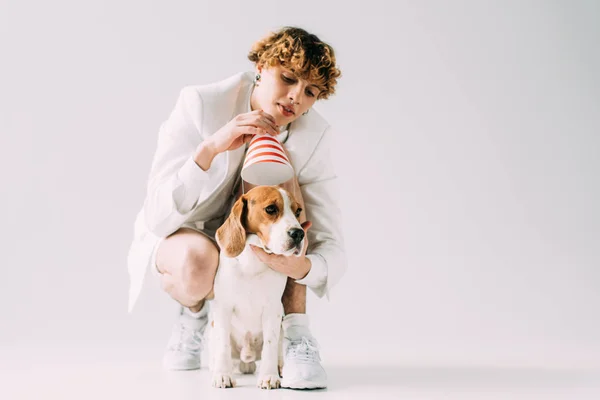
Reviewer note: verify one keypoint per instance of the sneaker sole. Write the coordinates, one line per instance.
(302, 384)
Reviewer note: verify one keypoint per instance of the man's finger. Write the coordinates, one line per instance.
(263, 255)
(257, 250)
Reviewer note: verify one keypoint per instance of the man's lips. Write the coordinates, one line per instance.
(288, 108)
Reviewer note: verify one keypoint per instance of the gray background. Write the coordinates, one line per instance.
(468, 152)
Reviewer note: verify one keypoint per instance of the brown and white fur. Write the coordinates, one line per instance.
(246, 310)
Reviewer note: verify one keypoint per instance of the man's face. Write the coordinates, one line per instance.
(277, 88)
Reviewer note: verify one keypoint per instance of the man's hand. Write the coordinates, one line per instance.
(296, 267)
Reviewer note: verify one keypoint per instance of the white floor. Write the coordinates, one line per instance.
(146, 380)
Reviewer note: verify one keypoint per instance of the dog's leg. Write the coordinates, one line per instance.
(221, 347)
(209, 336)
(268, 377)
(280, 352)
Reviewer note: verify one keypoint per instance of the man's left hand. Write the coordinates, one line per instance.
(296, 267)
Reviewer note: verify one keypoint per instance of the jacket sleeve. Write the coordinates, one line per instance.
(176, 184)
(326, 249)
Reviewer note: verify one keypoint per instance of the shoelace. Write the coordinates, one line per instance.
(303, 350)
(190, 340)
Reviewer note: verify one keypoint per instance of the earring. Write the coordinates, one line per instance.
(306, 112)
(256, 78)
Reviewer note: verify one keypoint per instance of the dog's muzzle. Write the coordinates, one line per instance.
(297, 235)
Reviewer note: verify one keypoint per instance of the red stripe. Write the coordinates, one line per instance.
(264, 146)
(266, 153)
(264, 137)
(271, 161)
(246, 163)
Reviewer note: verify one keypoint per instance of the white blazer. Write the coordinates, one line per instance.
(180, 193)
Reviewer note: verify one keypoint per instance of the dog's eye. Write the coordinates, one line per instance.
(298, 212)
(271, 209)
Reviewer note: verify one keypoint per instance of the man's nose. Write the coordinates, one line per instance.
(296, 93)
(296, 234)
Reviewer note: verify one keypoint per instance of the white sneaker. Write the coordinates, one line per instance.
(186, 343)
(302, 365)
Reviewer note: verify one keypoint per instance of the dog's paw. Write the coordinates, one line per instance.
(269, 382)
(247, 368)
(222, 381)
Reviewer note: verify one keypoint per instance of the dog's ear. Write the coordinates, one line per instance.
(231, 236)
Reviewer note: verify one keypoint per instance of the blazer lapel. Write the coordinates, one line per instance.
(305, 134)
(236, 157)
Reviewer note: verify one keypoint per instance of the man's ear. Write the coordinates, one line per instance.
(231, 236)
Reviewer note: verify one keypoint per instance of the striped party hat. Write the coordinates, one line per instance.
(266, 162)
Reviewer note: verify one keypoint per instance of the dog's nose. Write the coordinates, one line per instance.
(296, 234)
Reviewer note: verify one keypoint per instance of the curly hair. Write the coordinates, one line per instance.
(301, 52)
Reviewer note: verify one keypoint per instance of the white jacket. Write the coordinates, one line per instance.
(180, 193)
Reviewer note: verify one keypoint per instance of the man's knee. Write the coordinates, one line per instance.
(198, 271)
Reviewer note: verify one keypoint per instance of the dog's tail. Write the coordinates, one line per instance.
(248, 354)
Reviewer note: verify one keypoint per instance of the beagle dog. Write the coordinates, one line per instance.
(246, 310)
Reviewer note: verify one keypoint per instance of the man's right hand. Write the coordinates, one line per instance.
(241, 129)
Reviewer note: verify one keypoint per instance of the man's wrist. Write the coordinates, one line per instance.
(204, 155)
(308, 266)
